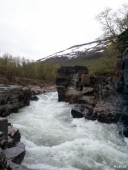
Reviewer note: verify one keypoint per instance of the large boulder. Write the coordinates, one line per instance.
(3, 161)
(15, 154)
(105, 112)
(13, 136)
(70, 82)
(96, 97)
(77, 112)
(3, 132)
(124, 82)
(12, 98)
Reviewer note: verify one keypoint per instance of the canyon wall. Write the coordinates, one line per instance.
(95, 97)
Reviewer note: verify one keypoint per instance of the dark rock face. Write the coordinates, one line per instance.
(123, 84)
(3, 161)
(77, 112)
(34, 98)
(96, 97)
(125, 91)
(12, 98)
(13, 136)
(67, 79)
(3, 133)
(12, 151)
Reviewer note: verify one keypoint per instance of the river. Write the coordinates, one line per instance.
(56, 141)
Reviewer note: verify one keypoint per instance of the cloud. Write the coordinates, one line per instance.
(37, 28)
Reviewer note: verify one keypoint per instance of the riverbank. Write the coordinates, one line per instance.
(12, 98)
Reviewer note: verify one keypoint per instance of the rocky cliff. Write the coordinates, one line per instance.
(123, 85)
(124, 82)
(12, 151)
(12, 98)
(96, 98)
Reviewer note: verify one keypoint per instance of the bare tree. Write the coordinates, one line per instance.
(114, 23)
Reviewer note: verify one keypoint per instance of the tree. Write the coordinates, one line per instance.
(113, 23)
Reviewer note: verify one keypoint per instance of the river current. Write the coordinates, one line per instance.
(56, 141)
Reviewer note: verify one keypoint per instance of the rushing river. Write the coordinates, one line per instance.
(55, 141)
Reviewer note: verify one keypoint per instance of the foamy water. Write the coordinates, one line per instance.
(56, 141)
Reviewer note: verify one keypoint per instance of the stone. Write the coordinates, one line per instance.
(70, 82)
(88, 91)
(20, 145)
(15, 154)
(14, 133)
(3, 143)
(61, 93)
(4, 126)
(72, 95)
(124, 116)
(34, 98)
(1, 134)
(80, 111)
(87, 100)
(11, 142)
(13, 97)
(106, 113)
(77, 113)
(35, 90)
(3, 161)
(95, 96)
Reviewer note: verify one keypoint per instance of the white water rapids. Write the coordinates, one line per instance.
(56, 141)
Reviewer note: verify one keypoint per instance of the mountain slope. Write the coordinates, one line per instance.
(77, 53)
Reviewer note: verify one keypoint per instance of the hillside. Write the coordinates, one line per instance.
(77, 53)
(97, 56)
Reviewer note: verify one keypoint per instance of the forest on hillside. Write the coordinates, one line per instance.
(12, 67)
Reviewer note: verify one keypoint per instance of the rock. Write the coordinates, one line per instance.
(35, 90)
(80, 111)
(77, 113)
(95, 96)
(15, 166)
(15, 154)
(71, 95)
(4, 126)
(3, 161)
(88, 91)
(3, 133)
(11, 142)
(12, 98)
(70, 82)
(34, 98)
(20, 145)
(123, 84)
(14, 133)
(87, 100)
(61, 93)
(106, 113)
(125, 131)
(124, 116)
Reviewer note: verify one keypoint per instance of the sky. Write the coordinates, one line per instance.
(37, 28)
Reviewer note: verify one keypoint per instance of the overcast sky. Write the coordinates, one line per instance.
(37, 28)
